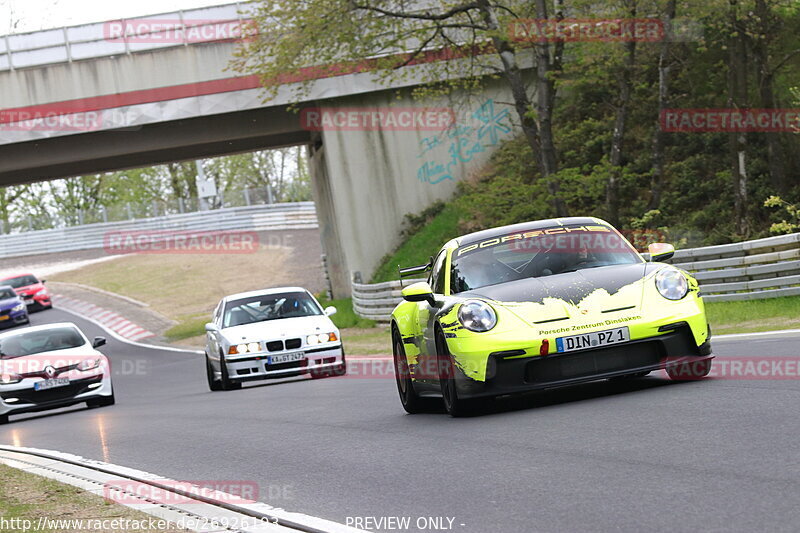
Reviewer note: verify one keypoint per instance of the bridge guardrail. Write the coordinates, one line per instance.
(750, 270)
(295, 215)
(89, 41)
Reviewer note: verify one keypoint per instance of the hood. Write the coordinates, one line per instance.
(8, 303)
(30, 289)
(592, 292)
(277, 329)
(57, 359)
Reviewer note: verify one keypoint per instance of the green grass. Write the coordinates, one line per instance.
(345, 317)
(420, 246)
(188, 326)
(26, 496)
(754, 315)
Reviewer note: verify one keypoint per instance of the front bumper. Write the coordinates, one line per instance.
(256, 366)
(14, 318)
(22, 398)
(514, 374)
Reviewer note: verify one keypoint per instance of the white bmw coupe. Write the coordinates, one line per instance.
(272, 333)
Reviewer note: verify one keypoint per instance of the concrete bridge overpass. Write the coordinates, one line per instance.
(145, 96)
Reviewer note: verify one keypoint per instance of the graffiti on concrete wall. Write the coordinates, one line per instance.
(443, 153)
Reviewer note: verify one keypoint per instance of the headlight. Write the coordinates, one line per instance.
(671, 283)
(320, 338)
(253, 347)
(8, 378)
(241, 348)
(19, 307)
(477, 316)
(89, 364)
(41, 292)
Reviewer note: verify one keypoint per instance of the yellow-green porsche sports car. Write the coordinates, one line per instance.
(543, 305)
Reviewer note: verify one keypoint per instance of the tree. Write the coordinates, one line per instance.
(461, 43)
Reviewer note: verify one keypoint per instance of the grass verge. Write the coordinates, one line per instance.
(754, 315)
(29, 499)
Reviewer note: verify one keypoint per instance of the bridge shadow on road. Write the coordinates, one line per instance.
(577, 393)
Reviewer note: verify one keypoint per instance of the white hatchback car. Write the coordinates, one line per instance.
(272, 333)
(51, 366)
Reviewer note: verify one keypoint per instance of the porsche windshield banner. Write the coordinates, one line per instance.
(564, 239)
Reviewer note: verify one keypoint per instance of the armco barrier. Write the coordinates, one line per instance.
(297, 215)
(750, 270)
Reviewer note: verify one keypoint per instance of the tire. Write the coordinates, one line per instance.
(410, 400)
(455, 406)
(102, 401)
(691, 371)
(3, 419)
(213, 384)
(338, 370)
(226, 383)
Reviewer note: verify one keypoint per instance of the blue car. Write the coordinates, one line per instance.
(13, 311)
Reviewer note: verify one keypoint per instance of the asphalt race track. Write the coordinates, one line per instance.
(622, 456)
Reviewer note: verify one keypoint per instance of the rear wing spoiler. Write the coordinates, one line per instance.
(414, 270)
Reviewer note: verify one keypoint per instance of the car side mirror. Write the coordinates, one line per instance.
(419, 292)
(42, 281)
(660, 251)
(330, 310)
(98, 341)
(211, 327)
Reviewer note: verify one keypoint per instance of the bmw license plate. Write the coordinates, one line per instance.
(286, 358)
(51, 383)
(28, 301)
(595, 339)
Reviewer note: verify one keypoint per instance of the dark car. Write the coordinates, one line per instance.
(31, 290)
(13, 311)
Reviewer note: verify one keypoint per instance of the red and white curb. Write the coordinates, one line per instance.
(108, 319)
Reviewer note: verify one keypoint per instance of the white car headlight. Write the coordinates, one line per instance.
(253, 347)
(19, 307)
(477, 316)
(241, 348)
(89, 364)
(312, 339)
(671, 283)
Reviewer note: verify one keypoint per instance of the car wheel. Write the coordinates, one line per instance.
(454, 405)
(226, 382)
(3, 419)
(411, 401)
(338, 370)
(213, 383)
(691, 371)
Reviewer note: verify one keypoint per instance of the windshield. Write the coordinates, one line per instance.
(38, 341)
(6, 293)
(21, 281)
(269, 307)
(538, 253)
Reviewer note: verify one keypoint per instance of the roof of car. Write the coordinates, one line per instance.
(527, 226)
(17, 275)
(38, 328)
(264, 292)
